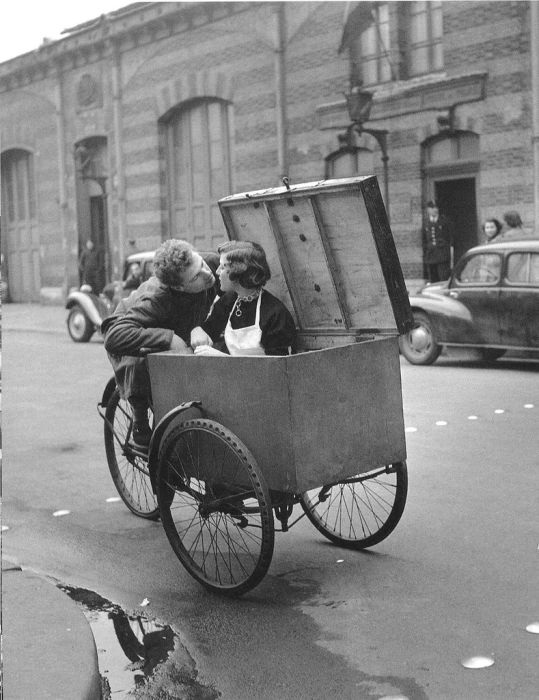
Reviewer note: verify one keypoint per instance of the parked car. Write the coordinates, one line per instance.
(490, 302)
(87, 310)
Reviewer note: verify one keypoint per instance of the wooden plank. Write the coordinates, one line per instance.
(387, 254)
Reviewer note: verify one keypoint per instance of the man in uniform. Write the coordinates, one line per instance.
(437, 236)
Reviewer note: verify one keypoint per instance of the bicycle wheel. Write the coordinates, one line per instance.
(215, 506)
(361, 511)
(128, 469)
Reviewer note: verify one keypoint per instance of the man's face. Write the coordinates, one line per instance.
(432, 212)
(197, 276)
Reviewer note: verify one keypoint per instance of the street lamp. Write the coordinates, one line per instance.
(359, 104)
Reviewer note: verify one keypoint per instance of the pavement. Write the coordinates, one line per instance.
(48, 649)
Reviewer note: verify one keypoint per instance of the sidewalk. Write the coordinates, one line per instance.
(48, 650)
(39, 317)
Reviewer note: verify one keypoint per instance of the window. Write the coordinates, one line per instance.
(18, 195)
(425, 49)
(199, 171)
(523, 268)
(481, 270)
(348, 162)
(369, 48)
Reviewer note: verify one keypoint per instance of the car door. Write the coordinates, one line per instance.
(476, 285)
(519, 300)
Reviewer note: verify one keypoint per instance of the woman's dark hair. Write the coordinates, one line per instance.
(496, 223)
(248, 264)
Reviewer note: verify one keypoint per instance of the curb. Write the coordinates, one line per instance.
(48, 648)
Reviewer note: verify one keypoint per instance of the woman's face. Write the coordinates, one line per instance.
(490, 229)
(223, 272)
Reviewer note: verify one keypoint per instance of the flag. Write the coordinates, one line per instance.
(356, 21)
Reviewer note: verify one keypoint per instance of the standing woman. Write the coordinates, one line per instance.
(249, 318)
(491, 228)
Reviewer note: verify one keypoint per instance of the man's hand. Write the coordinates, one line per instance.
(179, 345)
(200, 337)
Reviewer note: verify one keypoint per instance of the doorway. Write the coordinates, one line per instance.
(456, 200)
(92, 220)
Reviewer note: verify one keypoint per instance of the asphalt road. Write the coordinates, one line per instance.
(457, 578)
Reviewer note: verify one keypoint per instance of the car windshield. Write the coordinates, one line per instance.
(484, 268)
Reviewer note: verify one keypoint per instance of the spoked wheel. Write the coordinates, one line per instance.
(128, 467)
(215, 506)
(361, 511)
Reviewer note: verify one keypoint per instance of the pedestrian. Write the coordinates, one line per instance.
(251, 320)
(159, 315)
(437, 236)
(89, 267)
(491, 229)
(514, 230)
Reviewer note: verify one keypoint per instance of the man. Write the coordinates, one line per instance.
(158, 316)
(513, 230)
(90, 267)
(437, 236)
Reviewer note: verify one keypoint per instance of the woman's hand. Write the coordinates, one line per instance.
(200, 337)
(178, 345)
(206, 350)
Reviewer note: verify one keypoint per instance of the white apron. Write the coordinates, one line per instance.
(245, 341)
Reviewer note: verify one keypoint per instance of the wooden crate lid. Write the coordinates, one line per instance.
(331, 252)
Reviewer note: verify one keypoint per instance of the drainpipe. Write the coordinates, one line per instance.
(62, 186)
(279, 10)
(534, 36)
(118, 178)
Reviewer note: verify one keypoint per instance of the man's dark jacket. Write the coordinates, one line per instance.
(148, 318)
(437, 240)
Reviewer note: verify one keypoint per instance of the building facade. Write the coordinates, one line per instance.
(128, 130)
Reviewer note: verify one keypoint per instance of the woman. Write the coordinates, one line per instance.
(491, 228)
(253, 321)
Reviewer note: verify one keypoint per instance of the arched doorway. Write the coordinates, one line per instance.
(92, 219)
(450, 170)
(20, 239)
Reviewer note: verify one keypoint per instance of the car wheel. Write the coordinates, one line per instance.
(491, 354)
(79, 326)
(419, 346)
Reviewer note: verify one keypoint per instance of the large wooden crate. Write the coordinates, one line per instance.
(309, 419)
(335, 409)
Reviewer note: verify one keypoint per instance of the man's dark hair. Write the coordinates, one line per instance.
(170, 261)
(512, 219)
(248, 264)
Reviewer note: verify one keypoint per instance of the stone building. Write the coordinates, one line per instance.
(133, 125)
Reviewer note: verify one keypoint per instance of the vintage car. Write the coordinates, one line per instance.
(490, 302)
(87, 310)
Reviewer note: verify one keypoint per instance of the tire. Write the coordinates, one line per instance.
(491, 354)
(359, 514)
(215, 506)
(419, 346)
(129, 471)
(79, 326)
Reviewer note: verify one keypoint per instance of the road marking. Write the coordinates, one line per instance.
(478, 662)
(499, 410)
(533, 628)
(61, 512)
(5, 527)
(528, 405)
(472, 417)
(410, 430)
(441, 422)
(113, 499)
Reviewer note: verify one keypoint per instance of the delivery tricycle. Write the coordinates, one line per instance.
(238, 442)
